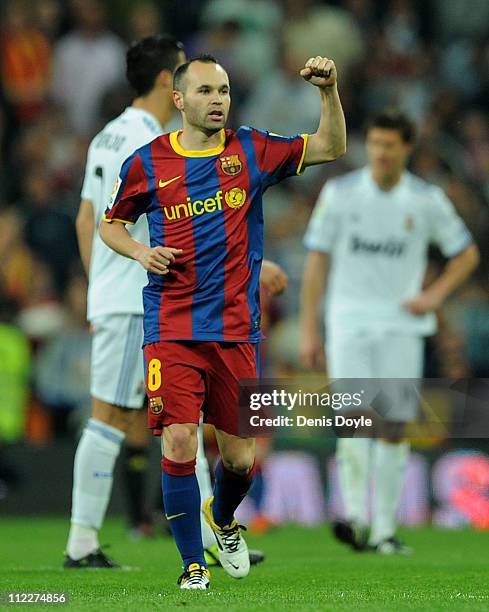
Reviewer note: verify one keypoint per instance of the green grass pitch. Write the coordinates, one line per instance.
(305, 570)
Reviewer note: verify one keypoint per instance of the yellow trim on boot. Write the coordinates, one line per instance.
(207, 510)
(195, 566)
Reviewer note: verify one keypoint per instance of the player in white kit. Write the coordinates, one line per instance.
(368, 239)
(115, 304)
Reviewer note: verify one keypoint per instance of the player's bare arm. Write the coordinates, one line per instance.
(273, 278)
(313, 286)
(153, 259)
(456, 271)
(85, 226)
(329, 142)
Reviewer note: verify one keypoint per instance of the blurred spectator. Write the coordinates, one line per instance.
(62, 365)
(242, 34)
(454, 18)
(469, 316)
(49, 231)
(48, 15)
(286, 211)
(24, 61)
(144, 20)
(51, 144)
(458, 68)
(281, 101)
(87, 61)
(402, 29)
(312, 30)
(14, 375)
(475, 138)
(14, 382)
(17, 269)
(363, 12)
(43, 315)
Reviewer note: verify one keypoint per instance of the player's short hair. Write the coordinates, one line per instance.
(181, 71)
(393, 119)
(146, 58)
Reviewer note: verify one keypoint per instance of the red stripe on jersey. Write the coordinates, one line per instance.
(175, 317)
(236, 309)
(135, 184)
(272, 153)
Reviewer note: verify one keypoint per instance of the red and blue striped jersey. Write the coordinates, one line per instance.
(208, 203)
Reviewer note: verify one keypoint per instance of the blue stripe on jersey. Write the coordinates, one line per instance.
(268, 179)
(210, 249)
(255, 233)
(258, 360)
(145, 154)
(152, 293)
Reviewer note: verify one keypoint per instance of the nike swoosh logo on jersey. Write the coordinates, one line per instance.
(174, 516)
(162, 184)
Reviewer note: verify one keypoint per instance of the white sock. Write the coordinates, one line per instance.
(95, 457)
(205, 486)
(353, 460)
(81, 541)
(388, 467)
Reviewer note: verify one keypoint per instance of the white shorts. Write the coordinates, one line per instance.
(387, 356)
(117, 366)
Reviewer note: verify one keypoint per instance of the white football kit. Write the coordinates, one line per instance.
(115, 306)
(378, 243)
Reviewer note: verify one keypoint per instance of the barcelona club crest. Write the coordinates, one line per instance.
(231, 164)
(155, 405)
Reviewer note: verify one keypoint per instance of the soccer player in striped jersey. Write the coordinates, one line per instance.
(115, 302)
(201, 190)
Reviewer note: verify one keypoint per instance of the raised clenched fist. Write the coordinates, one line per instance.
(320, 71)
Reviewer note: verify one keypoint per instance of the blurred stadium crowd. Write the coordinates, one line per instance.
(62, 78)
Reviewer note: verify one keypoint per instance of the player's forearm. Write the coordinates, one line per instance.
(116, 237)
(329, 141)
(84, 235)
(313, 286)
(456, 271)
(85, 227)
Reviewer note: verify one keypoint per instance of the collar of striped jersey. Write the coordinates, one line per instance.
(177, 147)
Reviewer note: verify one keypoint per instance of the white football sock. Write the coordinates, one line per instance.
(388, 468)
(353, 460)
(95, 457)
(205, 486)
(81, 541)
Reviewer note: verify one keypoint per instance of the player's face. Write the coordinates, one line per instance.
(206, 98)
(387, 152)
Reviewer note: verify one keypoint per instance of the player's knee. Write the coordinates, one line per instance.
(241, 464)
(180, 442)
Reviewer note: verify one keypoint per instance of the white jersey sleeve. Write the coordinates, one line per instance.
(447, 230)
(325, 220)
(115, 283)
